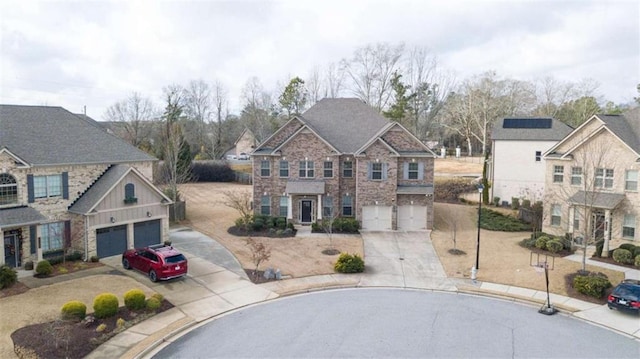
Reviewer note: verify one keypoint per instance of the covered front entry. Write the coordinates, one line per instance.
(111, 241)
(376, 218)
(412, 218)
(147, 233)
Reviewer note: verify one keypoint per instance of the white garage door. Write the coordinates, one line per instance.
(412, 218)
(376, 218)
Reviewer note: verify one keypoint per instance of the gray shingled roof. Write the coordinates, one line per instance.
(625, 126)
(596, 199)
(305, 187)
(346, 123)
(20, 216)
(99, 189)
(43, 135)
(558, 131)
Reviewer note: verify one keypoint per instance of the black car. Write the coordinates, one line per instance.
(626, 296)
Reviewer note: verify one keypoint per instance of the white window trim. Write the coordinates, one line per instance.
(627, 181)
(307, 169)
(558, 173)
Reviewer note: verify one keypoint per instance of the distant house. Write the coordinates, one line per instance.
(518, 145)
(68, 186)
(591, 182)
(342, 159)
(243, 146)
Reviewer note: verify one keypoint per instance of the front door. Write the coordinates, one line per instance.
(306, 210)
(11, 250)
(598, 226)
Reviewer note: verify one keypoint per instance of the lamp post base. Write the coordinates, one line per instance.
(547, 310)
(474, 274)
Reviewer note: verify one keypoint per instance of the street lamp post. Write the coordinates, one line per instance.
(474, 270)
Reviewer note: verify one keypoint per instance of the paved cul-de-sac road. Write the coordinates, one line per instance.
(397, 323)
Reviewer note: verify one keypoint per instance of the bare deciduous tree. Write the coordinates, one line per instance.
(134, 114)
(221, 107)
(198, 107)
(241, 202)
(370, 70)
(259, 253)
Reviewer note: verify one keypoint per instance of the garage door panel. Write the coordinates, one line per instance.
(376, 218)
(412, 218)
(146, 233)
(111, 241)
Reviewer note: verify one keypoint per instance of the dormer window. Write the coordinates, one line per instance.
(130, 193)
(8, 189)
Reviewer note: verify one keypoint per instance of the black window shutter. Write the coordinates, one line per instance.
(67, 234)
(30, 192)
(65, 185)
(32, 237)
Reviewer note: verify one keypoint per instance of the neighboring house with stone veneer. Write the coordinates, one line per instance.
(342, 159)
(66, 185)
(517, 165)
(591, 183)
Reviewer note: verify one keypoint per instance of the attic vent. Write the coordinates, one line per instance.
(526, 123)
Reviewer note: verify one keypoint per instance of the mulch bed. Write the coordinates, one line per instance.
(258, 277)
(573, 293)
(71, 339)
(239, 232)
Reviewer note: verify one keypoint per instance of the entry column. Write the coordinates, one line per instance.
(319, 207)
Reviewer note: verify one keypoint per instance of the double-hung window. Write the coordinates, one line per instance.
(265, 205)
(265, 168)
(284, 206)
(47, 186)
(52, 236)
(629, 226)
(347, 169)
(556, 215)
(413, 171)
(328, 169)
(377, 171)
(604, 178)
(347, 206)
(558, 174)
(327, 206)
(284, 168)
(306, 169)
(576, 176)
(538, 156)
(631, 180)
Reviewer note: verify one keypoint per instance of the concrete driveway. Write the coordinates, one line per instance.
(404, 260)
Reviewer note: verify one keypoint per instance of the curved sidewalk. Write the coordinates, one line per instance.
(210, 290)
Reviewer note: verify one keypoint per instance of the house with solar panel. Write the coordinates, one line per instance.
(517, 165)
(66, 186)
(591, 181)
(341, 158)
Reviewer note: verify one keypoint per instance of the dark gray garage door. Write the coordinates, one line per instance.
(111, 241)
(146, 233)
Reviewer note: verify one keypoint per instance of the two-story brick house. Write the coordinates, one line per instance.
(591, 183)
(341, 158)
(66, 185)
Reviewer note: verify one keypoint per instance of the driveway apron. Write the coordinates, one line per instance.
(402, 259)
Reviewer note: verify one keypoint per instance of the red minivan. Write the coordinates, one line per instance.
(160, 262)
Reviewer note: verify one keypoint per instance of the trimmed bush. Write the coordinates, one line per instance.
(158, 296)
(153, 303)
(496, 221)
(105, 305)
(134, 299)
(528, 242)
(346, 225)
(554, 246)
(315, 227)
(526, 203)
(599, 248)
(496, 201)
(258, 224)
(44, 268)
(628, 246)
(8, 276)
(515, 203)
(541, 242)
(591, 285)
(622, 256)
(636, 261)
(94, 259)
(349, 263)
(74, 310)
(101, 328)
(120, 323)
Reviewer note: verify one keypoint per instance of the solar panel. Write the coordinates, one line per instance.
(526, 123)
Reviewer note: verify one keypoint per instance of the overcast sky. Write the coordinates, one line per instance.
(94, 53)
